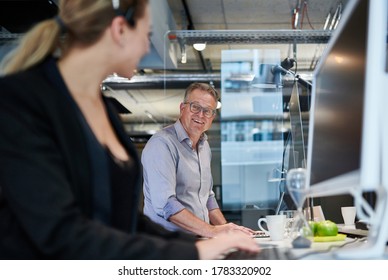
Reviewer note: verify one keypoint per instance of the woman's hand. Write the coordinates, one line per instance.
(217, 247)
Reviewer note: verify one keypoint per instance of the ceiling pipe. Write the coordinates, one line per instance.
(172, 81)
(191, 27)
(160, 81)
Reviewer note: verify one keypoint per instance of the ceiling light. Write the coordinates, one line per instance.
(150, 116)
(183, 52)
(184, 55)
(199, 46)
(184, 58)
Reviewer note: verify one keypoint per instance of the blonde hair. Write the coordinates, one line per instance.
(78, 21)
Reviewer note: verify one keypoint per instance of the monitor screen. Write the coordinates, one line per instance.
(335, 134)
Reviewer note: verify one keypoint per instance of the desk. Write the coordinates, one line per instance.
(317, 251)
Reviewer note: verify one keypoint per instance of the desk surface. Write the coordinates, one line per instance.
(318, 250)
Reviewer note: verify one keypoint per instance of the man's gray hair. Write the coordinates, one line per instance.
(202, 86)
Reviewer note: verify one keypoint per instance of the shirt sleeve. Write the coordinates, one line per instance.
(172, 207)
(212, 202)
(159, 169)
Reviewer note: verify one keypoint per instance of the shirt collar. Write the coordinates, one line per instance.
(182, 134)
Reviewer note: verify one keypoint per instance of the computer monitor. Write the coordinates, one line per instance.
(345, 147)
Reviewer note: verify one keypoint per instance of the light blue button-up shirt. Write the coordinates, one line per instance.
(176, 176)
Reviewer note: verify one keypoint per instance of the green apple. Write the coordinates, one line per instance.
(313, 226)
(327, 228)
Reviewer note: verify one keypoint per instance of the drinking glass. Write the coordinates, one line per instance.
(290, 220)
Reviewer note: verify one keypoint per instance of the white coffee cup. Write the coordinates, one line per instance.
(348, 214)
(275, 225)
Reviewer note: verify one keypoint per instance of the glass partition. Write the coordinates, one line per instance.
(252, 136)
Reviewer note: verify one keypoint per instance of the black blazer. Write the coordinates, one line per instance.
(45, 182)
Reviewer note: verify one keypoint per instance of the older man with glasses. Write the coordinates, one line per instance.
(177, 172)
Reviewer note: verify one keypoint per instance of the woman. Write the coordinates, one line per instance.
(69, 176)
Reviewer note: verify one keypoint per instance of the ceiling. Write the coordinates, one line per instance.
(243, 15)
(154, 94)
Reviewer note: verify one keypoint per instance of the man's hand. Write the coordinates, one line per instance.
(231, 227)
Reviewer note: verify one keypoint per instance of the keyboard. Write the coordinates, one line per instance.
(260, 234)
(268, 253)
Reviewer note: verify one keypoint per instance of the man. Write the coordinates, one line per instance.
(177, 175)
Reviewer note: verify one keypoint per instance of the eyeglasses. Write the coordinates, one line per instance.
(196, 108)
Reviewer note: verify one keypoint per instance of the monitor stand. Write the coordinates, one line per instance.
(375, 246)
